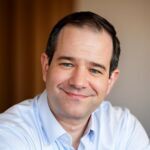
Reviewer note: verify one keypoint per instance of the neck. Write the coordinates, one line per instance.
(75, 128)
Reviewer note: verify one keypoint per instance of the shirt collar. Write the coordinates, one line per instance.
(51, 129)
(91, 128)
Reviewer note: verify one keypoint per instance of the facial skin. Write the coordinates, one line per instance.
(77, 80)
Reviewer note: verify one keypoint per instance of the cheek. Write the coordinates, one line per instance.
(101, 87)
(55, 77)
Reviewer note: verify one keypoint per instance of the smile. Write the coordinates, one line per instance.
(75, 95)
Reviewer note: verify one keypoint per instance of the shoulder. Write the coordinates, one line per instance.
(121, 125)
(19, 113)
(114, 118)
(112, 113)
(17, 125)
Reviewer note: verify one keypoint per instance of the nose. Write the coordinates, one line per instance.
(78, 78)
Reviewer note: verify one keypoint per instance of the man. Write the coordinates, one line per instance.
(79, 69)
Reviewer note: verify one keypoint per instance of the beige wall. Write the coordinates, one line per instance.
(132, 21)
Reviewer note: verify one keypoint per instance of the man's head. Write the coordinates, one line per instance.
(76, 65)
(81, 19)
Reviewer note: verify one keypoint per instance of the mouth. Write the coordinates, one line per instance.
(75, 95)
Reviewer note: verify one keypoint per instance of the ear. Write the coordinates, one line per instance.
(114, 76)
(45, 65)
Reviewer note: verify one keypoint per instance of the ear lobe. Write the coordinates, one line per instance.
(45, 65)
(113, 78)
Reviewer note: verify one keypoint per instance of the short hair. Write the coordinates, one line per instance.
(92, 20)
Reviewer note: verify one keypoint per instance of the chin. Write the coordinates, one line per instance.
(76, 114)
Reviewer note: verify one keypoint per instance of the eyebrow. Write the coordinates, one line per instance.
(92, 63)
(98, 65)
(65, 58)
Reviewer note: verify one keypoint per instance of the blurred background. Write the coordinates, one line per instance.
(24, 30)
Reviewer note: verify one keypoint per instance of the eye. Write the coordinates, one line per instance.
(95, 71)
(66, 65)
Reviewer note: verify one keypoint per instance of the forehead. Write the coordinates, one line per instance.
(84, 42)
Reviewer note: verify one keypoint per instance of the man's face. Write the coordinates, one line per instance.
(77, 80)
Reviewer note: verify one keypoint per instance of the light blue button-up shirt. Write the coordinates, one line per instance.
(31, 125)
